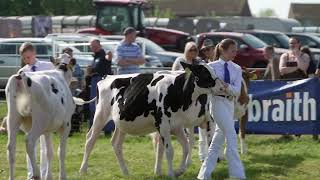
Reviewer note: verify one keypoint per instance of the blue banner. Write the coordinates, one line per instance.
(284, 107)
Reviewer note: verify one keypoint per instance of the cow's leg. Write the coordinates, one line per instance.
(62, 148)
(186, 155)
(159, 148)
(166, 140)
(242, 134)
(191, 140)
(99, 121)
(117, 141)
(13, 128)
(49, 154)
(31, 140)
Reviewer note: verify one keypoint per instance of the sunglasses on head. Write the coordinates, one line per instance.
(206, 49)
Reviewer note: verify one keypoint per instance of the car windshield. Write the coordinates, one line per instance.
(317, 38)
(113, 18)
(110, 47)
(253, 41)
(151, 47)
(284, 40)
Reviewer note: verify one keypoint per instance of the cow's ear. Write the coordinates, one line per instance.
(185, 65)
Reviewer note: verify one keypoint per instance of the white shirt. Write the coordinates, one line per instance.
(235, 72)
(40, 66)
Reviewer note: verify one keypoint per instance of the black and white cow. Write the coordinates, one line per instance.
(39, 103)
(144, 103)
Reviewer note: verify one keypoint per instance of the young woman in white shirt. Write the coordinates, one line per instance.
(222, 111)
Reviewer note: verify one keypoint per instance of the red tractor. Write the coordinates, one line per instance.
(113, 16)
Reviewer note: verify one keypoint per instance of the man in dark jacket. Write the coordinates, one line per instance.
(101, 66)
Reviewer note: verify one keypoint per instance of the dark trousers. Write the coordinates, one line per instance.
(92, 107)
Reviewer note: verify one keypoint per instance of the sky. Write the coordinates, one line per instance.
(281, 7)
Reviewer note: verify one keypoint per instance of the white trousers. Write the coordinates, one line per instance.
(43, 159)
(223, 111)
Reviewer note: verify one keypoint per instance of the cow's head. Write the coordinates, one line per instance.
(62, 64)
(247, 75)
(205, 77)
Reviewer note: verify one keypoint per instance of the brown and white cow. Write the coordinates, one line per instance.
(39, 103)
(145, 103)
(241, 106)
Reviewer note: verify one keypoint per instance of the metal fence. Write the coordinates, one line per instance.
(147, 70)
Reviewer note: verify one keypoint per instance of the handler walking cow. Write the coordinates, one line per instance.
(223, 112)
(40, 103)
(145, 103)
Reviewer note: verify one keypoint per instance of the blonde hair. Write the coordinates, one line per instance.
(189, 46)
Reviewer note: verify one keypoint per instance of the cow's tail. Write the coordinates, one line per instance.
(17, 95)
(79, 101)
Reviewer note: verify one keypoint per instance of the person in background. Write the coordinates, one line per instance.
(312, 69)
(206, 52)
(77, 72)
(294, 64)
(128, 53)
(317, 73)
(190, 56)
(272, 72)
(101, 67)
(222, 111)
(312, 66)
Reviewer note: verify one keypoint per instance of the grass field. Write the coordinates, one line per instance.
(269, 158)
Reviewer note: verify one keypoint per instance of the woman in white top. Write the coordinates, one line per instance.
(190, 56)
(222, 110)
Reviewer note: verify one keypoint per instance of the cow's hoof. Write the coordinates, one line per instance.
(35, 178)
(83, 171)
(158, 172)
(189, 162)
(178, 173)
(171, 175)
(125, 172)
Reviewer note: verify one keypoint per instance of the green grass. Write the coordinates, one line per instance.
(3, 110)
(269, 158)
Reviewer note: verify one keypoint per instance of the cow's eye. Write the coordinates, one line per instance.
(197, 78)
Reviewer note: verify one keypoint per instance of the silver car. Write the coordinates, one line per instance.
(10, 61)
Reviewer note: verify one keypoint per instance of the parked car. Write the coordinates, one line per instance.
(306, 39)
(81, 41)
(153, 50)
(274, 38)
(10, 61)
(250, 48)
(151, 62)
(279, 40)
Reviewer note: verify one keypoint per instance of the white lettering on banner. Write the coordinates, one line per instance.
(283, 110)
(278, 111)
(297, 101)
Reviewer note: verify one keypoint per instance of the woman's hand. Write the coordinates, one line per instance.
(225, 86)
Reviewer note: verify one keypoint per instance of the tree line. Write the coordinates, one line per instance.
(46, 7)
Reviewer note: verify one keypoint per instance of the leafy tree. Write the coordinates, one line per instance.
(267, 13)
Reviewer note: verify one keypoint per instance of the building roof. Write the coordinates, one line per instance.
(190, 8)
(307, 14)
